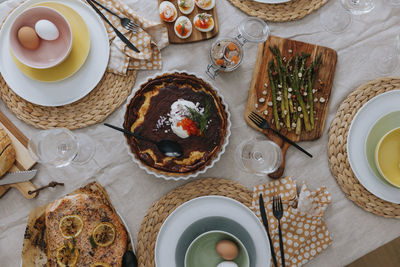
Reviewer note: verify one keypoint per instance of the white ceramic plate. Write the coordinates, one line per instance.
(205, 207)
(272, 1)
(364, 120)
(71, 89)
(215, 160)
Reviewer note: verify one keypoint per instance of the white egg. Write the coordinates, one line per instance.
(46, 30)
(227, 264)
(205, 4)
(187, 26)
(204, 17)
(167, 11)
(186, 6)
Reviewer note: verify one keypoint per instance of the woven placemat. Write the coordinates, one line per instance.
(337, 151)
(108, 95)
(162, 208)
(293, 10)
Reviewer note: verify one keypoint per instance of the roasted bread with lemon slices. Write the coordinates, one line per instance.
(80, 229)
(7, 152)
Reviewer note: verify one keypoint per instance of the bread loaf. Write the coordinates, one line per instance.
(7, 152)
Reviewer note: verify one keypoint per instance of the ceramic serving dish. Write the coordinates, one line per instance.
(49, 53)
(203, 169)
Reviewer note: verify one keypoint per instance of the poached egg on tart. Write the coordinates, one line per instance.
(204, 22)
(186, 6)
(205, 4)
(167, 11)
(183, 27)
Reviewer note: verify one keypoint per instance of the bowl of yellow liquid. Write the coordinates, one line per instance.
(387, 157)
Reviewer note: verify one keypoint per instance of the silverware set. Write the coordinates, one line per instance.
(277, 210)
(130, 25)
(262, 123)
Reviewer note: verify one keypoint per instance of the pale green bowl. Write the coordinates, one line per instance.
(384, 125)
(202, 252)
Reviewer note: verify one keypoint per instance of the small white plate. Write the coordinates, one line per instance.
(364, 120)
(71, 89)
(272, 1)
(197, 209)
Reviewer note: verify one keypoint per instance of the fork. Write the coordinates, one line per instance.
(262, 123)
(277, 209)
(125, 22)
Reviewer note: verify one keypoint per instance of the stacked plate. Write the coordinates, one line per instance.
(205, 214)
(376, 118)
(77, 75)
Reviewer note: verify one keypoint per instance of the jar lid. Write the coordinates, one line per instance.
(254, 30)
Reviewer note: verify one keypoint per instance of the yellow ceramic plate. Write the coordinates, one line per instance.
(79, 51)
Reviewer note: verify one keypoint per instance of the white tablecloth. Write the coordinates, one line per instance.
(355, 232)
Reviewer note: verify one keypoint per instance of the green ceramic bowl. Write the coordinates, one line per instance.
(384, 125)
(201, 251)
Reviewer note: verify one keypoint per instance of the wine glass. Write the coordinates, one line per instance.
(339, 17)
(59, 147)
(386, 57)
(259, 157)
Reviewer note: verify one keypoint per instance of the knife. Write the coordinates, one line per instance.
(17, 177)
(265, 222)
(119, 34)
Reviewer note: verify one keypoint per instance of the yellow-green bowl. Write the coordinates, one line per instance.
(387, 157)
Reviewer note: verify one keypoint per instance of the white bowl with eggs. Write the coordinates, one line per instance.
(210, 213)
(40, 37)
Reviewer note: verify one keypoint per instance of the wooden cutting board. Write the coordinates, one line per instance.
(23, 160)
(326, 74)
(196, 34)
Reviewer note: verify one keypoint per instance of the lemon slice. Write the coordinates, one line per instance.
(67, 256)
(100, 264)
(104, 234)
(70, 226)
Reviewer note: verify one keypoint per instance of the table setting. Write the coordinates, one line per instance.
(198, 133)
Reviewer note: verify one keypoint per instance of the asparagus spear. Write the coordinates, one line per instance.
(273, 94)
(312, 73)
(299, 97)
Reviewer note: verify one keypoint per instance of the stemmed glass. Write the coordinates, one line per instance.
(338, 18)
(59, 147)
(386, 58)
(258, 157)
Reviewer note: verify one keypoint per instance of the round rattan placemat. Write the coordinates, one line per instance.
(161, 209)
(337, 151)
(108, 95)
(293, 10)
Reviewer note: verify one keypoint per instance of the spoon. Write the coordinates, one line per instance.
(167, 147)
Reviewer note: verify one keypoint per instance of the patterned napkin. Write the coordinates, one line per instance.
(304, 232)
(150, 38)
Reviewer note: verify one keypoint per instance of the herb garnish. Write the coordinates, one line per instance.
(183, 28)
(72, 248)
(201, 119)
(91, 239)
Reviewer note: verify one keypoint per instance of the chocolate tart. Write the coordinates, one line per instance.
(151, 105)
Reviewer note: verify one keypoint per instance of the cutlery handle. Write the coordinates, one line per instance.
(129, 133)
(265, 221)
(105, 8)
(291, 142)
(119, 34)
(281, 244)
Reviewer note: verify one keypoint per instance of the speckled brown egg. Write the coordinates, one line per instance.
(227, 249)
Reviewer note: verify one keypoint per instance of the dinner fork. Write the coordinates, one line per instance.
(277, 209)
(263, 124)
(125, 22)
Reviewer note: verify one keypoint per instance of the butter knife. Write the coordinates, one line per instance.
(265, 222)
(119, 34)
(17, 177)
